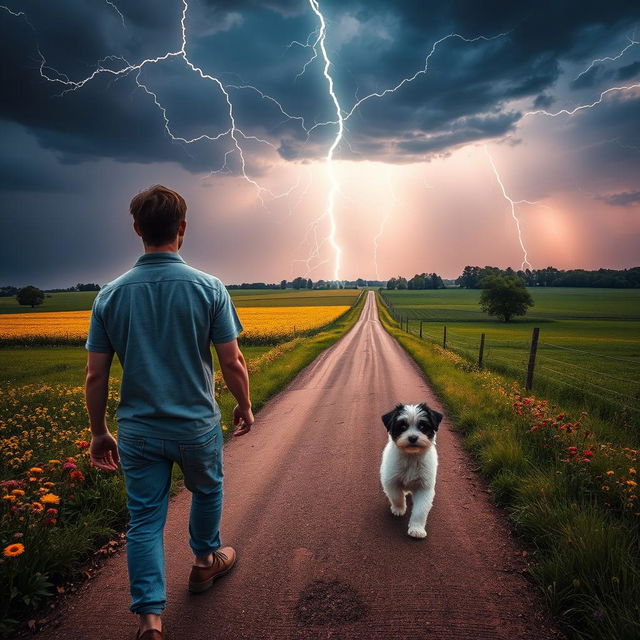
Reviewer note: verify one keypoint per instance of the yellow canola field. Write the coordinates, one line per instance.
(257, 321)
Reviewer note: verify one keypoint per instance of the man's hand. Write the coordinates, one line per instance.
(243, 419)
(104, 452)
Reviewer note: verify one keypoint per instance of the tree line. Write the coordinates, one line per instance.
(419, 281)
(472, 277)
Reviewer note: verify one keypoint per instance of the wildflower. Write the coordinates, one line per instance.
(77, 475)
(82, 444)
(37, 507)
(632, 471)
(53, 462)
(50, 498)
(604, 487)
(611, 473)
(69, 465)
(572, 451)
(587, 453)
(18, 492)
(9, 498)
(71, 459)
(33, 479)
(52, 512)
(13, 550)
(49, 521)
(632, 483)
(35, 470)
(48, 484)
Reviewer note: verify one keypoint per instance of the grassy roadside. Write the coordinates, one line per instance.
(55, 509)
(568, 492)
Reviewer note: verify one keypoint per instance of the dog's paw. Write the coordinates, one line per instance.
(398, 511)
(417, 532)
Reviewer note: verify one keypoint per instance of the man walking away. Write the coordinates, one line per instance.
(160, 318)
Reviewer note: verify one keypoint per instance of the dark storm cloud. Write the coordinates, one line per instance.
(464, 97)
(625, 199)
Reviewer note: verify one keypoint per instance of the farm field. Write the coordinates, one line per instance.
(589, 348)
(54, 507)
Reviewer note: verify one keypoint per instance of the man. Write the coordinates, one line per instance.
(160, 318)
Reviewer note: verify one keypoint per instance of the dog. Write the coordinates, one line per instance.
(410, 462)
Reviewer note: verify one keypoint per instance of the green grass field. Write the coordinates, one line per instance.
(589, 350)
(82, 300)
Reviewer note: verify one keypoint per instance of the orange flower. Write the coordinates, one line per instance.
(50, 498)
(9, 498)
(35, 470)
(13, 550)
(54, 461)
(49, 484)
(36, 507)
(18, 492)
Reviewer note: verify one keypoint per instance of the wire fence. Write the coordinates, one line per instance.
(608, 384)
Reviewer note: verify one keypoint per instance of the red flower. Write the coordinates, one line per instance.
(77, 475)
(82, 444)
(572, 451)
(49, 521)
(52, 512)
(587, 453)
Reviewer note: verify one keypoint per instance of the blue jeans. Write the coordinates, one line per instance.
(147, 464)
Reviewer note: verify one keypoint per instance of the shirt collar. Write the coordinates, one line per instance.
(158, 257)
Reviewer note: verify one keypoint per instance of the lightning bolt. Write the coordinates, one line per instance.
(632, 42)
(388, 213)
(236, 135)
(333, 182)
(512, 204)
(582, 107)
(113, 6)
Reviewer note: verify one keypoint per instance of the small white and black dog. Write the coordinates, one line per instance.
(410, 462)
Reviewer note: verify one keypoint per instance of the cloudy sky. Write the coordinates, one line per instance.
(229, 102)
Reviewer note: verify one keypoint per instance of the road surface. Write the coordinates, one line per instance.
(319, 553)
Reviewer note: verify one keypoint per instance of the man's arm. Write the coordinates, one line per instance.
(104, 449)
(235, 374)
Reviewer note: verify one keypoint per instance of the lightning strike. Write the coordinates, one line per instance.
(632, 42)
(512, 204)
(582, 107)
(113, 6)
(329, 212)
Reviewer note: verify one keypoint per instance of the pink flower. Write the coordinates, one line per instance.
(69, 465)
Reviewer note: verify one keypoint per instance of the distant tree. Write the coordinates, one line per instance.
(392, 283)
(283, 284)
(30, 296)
(504, 297)
(299, 283)
(469, 278)
(361, 283)
(402, 283)
(309, 284)
(90, 286)
(8, 291)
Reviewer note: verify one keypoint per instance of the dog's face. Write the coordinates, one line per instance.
(412, 427)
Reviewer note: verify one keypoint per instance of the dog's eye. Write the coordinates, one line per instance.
(402, 425)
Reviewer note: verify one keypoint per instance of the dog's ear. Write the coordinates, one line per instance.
(435, 417)
(389, 418)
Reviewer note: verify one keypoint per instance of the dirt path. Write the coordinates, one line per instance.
(303, 504)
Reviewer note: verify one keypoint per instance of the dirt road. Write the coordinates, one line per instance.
(320, 555)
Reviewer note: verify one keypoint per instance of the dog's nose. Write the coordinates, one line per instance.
(413, 439)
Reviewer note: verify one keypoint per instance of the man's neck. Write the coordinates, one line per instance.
(164, 248)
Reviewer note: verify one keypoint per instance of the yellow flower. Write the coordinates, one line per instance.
(18, 492)
(50, 498)
(13, 550)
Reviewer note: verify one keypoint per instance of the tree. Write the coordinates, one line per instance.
(309, 284)
(283, 284)
(504, 297)
(30, 296)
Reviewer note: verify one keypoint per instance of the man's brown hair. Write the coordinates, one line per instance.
(158, 212)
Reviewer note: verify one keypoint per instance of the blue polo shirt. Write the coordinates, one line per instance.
(160, 318)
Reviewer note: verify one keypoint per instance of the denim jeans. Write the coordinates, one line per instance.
(147, 464)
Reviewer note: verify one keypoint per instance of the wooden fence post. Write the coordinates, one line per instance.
(481, 353)
(421, 328)
(532, 358)
(444, 337)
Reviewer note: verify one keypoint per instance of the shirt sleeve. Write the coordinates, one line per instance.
(98, 340)
(225, 324)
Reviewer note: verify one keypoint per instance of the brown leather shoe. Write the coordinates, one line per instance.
(151, 634)
(202, 578)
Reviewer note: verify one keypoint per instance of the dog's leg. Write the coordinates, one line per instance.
(422, 501)
(397, 499)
